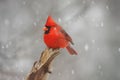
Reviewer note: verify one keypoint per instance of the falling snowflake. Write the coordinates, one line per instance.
(73, 72)
(99, 67)
(3, 47)
(24, 2)
(59, 19)
(102, 24)
(93, 41)
(35, 24)
(6, 22)
(86, 47)
(119, 49)
(7, 46)
(107, 7)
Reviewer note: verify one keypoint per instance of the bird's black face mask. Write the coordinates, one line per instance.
(48, 29)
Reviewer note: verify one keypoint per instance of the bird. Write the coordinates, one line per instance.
(56, 37)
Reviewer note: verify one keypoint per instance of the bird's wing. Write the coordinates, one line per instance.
(67, 36)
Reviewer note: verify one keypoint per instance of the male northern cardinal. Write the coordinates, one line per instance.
(56, 37)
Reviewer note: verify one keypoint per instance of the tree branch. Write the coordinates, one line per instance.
(41, 68)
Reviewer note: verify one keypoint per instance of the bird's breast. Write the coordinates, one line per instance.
(55, 39)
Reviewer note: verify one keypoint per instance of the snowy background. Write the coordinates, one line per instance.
(94, 26)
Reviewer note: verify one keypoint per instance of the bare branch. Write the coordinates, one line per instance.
(41, 68)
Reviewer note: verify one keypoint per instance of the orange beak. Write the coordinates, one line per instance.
(45, 29)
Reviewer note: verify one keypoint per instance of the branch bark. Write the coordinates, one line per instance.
(41, 68)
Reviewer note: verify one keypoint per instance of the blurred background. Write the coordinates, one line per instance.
(94, 26)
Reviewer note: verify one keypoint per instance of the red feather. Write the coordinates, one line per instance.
(56, 37)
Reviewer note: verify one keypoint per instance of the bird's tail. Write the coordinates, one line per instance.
(71, 50)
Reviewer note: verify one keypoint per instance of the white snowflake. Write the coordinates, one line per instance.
(6, 22)
(102, 24)
(119, 49)
(7, 46)
(86, 47)
(59, 19)
(3, 47)
(107, 7)
(93, 41)
(99, 67)
(35, 24)
(24, 2)
(73, 72)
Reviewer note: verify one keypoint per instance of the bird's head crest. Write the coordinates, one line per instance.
(50, 22)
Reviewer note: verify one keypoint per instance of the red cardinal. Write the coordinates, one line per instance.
(56, 37)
